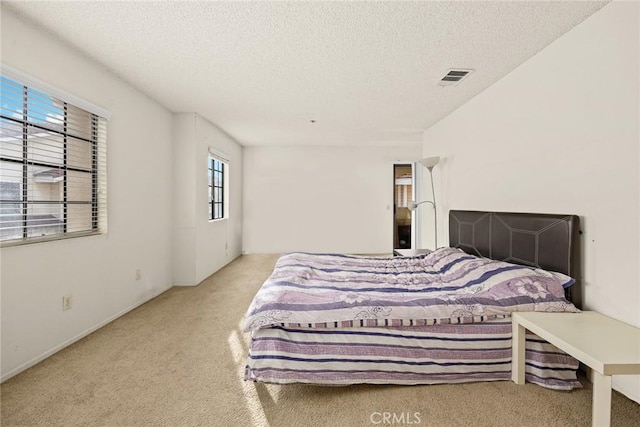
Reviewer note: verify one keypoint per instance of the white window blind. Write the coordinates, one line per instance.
(52, 166)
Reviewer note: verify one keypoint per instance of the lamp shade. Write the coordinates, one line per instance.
(430, 162)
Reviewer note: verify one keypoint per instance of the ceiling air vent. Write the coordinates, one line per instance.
(454, 76)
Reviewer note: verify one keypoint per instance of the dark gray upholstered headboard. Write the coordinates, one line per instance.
(550, 242)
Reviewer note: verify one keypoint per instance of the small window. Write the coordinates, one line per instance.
(52, 167)
(217, 178)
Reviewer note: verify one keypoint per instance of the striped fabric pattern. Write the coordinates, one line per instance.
(403, 355)
(446, 286)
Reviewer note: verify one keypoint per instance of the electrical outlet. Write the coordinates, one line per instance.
(138, 274)
(66, 302)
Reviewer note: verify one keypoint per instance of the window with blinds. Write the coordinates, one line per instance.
(217, 171)
(52, 167)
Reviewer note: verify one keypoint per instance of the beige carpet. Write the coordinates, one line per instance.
(178, 360)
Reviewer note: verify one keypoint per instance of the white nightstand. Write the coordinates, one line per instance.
(410, 252)
(607, 346)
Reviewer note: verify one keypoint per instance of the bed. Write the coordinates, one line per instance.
(442, 317)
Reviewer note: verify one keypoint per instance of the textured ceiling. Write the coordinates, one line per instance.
(366, 72)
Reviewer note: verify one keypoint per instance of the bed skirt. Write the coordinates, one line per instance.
(403, 355)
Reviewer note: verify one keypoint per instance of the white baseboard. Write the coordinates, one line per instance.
(78, 337)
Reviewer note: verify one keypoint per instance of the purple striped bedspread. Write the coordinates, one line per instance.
(403, 355)
(446, 286)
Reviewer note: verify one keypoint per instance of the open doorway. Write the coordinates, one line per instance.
(403, 194)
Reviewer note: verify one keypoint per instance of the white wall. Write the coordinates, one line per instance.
(560, 134)
(320, 199)
(99, 271)
(201, 247)
(184, 199)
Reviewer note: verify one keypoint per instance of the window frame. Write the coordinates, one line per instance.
(96, 167)
(216, 165)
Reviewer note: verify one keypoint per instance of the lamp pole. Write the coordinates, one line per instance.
(435, 211)
(414, 205)
(429, 164)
